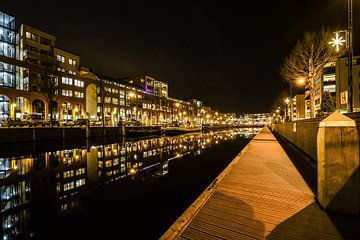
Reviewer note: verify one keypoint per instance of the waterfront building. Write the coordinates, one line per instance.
(38, 76)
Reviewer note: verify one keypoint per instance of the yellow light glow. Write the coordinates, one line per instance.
(337, 42)
(131, 94)
(177, 104)
(300, 81)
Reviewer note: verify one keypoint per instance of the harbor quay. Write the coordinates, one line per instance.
(262, 194)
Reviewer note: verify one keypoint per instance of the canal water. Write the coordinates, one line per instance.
(134, 189)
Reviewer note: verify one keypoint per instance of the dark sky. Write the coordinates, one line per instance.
(226, 53)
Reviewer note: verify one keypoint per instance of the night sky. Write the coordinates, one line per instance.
(225, 53)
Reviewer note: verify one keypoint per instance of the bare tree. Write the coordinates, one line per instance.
(50, 83)
(308, 58)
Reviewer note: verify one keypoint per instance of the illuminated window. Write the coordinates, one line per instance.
(115, 101)
(68, 174)
(67, 93)
(73, 72)
(80, 171)
(67, 81)
(329, 77)
(80, 182)
(68, 186)
(330, 88)
(31, 36)
(107, 99)
(60, 58)
(78, 94)
(72, 62)
(78, 83)
(122, 94)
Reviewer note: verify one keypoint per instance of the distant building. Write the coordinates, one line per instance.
(149, 85)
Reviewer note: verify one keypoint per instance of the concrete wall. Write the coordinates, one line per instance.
(306, 132)
(11, 135)
(302, 134)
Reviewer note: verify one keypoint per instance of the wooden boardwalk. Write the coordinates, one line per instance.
(260, 195)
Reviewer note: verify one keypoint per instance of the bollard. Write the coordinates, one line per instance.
(338, 164)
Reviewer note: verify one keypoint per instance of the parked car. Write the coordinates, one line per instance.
(132, 122)
(33, 119)
(96, 123)
(15, 123)
(55, 123)
(81, 122)
(67, 122)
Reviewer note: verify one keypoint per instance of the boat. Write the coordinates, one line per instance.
(181, 130)
(136, 131)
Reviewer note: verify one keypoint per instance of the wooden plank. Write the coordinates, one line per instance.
(193, 234)
(218, 231)
(251, 196)
(266, 208)
(250, 228)
(238, 217)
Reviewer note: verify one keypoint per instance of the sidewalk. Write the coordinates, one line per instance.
(261, 195)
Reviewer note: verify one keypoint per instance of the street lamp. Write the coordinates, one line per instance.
(337, 42)
(350, 55)
(133, 95)
(287, 101)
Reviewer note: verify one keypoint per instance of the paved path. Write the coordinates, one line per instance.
(260, 195)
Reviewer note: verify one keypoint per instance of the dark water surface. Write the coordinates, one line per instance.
(130, 190)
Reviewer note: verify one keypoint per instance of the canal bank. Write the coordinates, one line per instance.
(261, 195)
(130, 188)
(34, 134)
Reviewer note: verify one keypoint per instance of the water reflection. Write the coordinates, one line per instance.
(42, 186)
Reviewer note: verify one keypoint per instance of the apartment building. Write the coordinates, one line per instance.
(342, 83)
(37, 76)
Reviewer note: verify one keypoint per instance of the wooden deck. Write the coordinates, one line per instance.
(261, 195)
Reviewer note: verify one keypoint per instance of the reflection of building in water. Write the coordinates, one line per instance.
(38, 187)
(70, 176)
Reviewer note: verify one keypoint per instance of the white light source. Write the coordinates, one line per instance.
(337, 41)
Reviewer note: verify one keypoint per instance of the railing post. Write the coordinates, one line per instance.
(338, 164)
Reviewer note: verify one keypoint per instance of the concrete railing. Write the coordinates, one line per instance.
(334, 143)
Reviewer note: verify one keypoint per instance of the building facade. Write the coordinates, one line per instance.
(37, 76)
